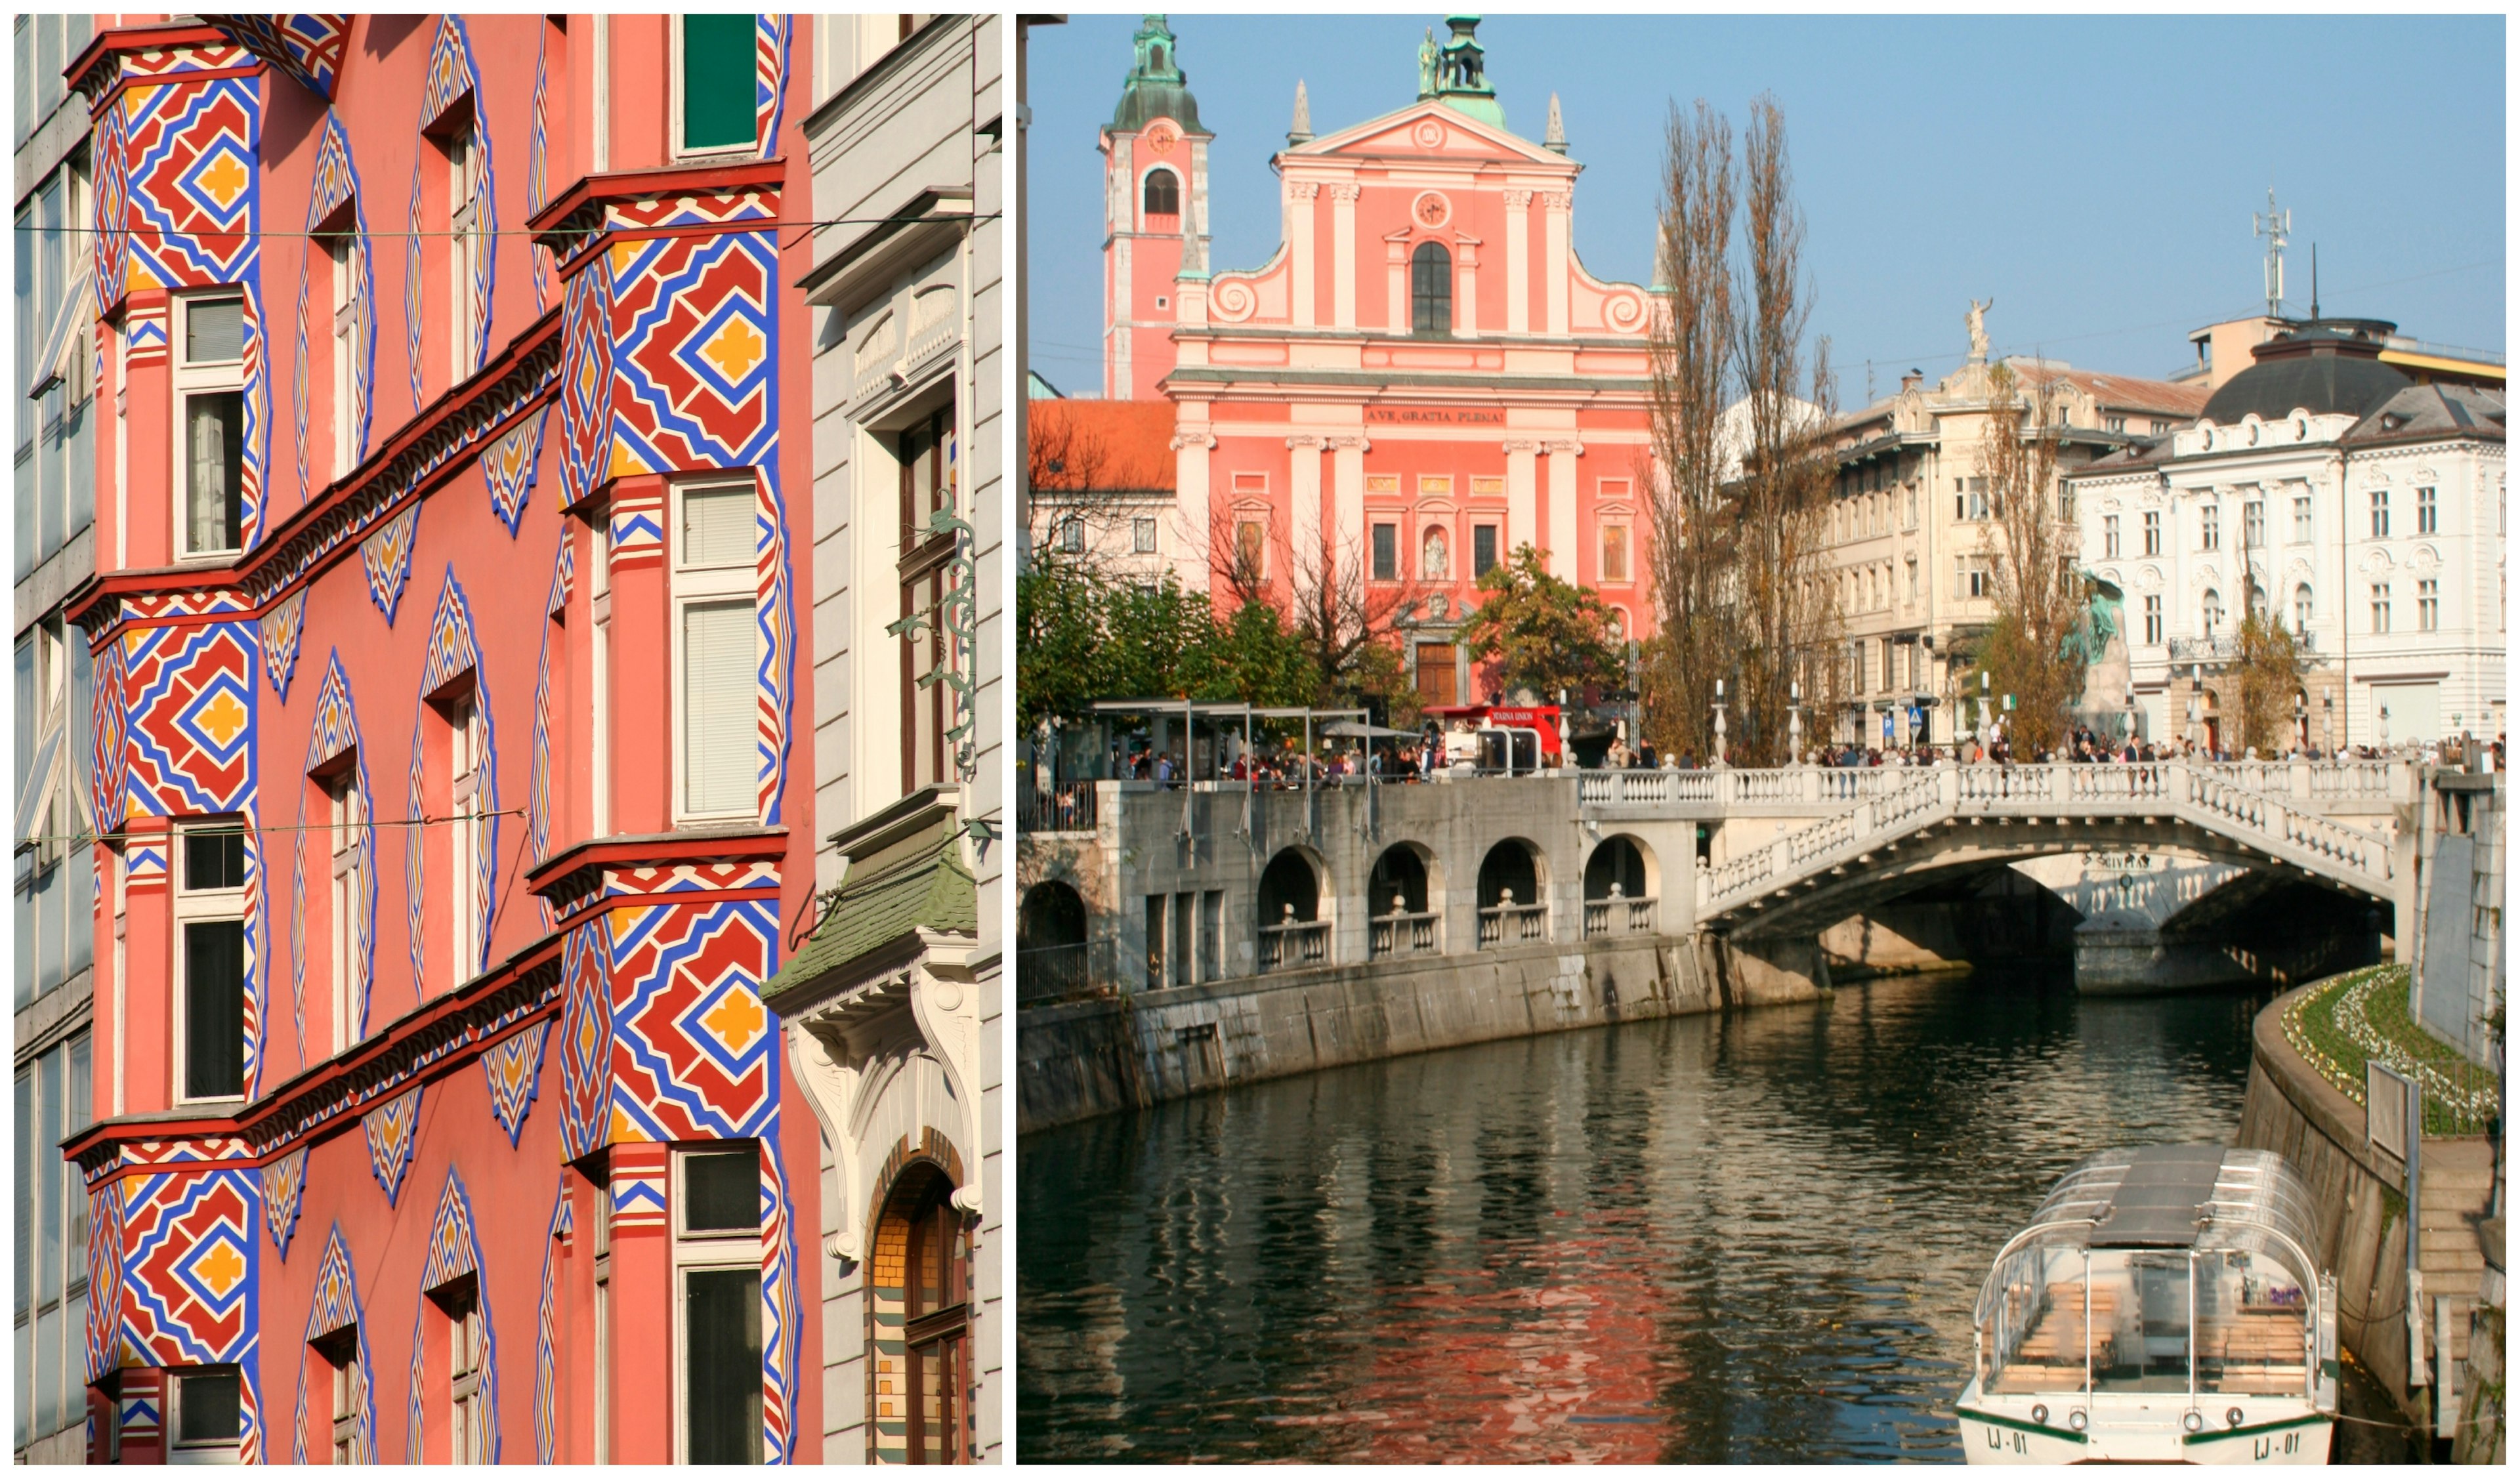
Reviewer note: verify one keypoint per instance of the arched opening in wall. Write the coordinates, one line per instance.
(922, 1276)
(1430, 290)
(1292, 930)
(1162, 199)
(1403, 901)
(1621, 888)
(2213, 612)
(1513, 908)
(1051, 962)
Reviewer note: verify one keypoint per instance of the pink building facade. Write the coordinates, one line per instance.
(1421, 380)
(444, 626)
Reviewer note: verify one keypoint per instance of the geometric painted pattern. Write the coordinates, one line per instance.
(105, 1278)
(394, 1134)
(192, 1272)
(514, 1066)
(108, 729)
(586, 380)
(387, 557)
(110, 148)
(453, 1252)
(781, 1333)
(335, 733)
(539, 784)
(189, 701)
(308, 48)
(769, 83)
(284, 1185)
(452, 75)
(693, 1050)
(774, 617)
(335, 1307)
(282, 627)
(538, 173)
(585, 1039)
(638, 1190)
(337, 183)
(451, 654)
(546, 1339)
(508, 464)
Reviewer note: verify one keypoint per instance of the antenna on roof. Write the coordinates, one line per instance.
(2276, 227)
(2313, 282)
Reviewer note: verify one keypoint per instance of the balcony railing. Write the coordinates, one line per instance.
(1511, 923)
(1296, 942)
(1618, 916)
(1069, 807)
(2226, 648)
(1402, 934)
(1052, 973)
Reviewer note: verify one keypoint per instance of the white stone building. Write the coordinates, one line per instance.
(2365, 507)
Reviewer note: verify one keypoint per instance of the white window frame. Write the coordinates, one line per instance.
(1627, 554)
(468, 1428)
(2109, 536)
(2152, 621)
(731, 1248)
(349, 1380)
(2427, 511)
(348, 308)
(192, 905)
(2253, 524)
(468, 765)
(674, 89)
(2379, 513)
(1143, 536)
(2151, 532)
(188, 379)
(2301, 519)
(2209, 526)
(2379, 609)
(2427, 606)
(346, 810)
(696, 585)
(464, 243)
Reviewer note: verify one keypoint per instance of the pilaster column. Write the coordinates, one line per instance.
(1304, 491)
(1565, 540)
(1465, 291)
(1347, 492)
(148, 540)
(1299, 243)
(641, 681)
(149, 965)
(1395, 255)
(1560, 205)
(1521, 493)
(1343, 254)
(1193, 445)
(1517, 262)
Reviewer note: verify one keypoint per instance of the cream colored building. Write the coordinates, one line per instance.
(1909, 524)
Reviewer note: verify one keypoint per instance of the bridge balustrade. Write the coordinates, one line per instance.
(1619, 915)
(2146, 781)
(1406, 933)
(1072, 806)
(1286, 947)
(1511, 924)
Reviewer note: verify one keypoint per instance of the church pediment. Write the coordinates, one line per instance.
(1431, 130)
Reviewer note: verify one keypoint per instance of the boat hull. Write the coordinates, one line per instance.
(2035, 1428)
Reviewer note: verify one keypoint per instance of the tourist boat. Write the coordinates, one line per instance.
(2163, 1306)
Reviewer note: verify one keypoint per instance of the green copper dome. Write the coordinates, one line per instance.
(1156, 87)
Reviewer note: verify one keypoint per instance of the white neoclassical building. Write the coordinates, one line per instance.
(2361, 501)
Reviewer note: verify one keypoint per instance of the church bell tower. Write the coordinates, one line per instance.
(1154, 202)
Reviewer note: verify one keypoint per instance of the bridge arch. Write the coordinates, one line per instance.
(1621, 866)
(1295, 910)
(1513, 893)
(1403, 902)
(1051, 940)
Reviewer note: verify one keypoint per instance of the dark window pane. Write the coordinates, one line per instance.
(50, 1180)
(214, 446)
(717, 81)
(1430, 275)
(1386, 551)
(1483, 550)
(1163, 192)
(215, 332)
(26, 1284)
(206, 1406)
(721, 1364)
(722, 1191)
(214, 860)
(214, 1009)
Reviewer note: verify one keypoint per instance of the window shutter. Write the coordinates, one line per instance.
(717, 81)
(718, 752)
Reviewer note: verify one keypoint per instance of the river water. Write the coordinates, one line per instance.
(1749, 1237)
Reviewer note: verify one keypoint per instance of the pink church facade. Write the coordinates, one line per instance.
(1421, 380)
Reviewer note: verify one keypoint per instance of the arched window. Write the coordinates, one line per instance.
(2213, 612)
(924, 1244)
(1431, 290)
(1163, 192)
(2301, 610)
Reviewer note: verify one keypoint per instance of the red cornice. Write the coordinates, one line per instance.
(591, 189)
(148, 38)
(448, 405)
(661, 850)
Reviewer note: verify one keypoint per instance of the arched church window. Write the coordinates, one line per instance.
(1163, 192)
(1431, 290)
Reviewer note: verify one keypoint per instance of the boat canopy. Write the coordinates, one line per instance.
(2205, 1197)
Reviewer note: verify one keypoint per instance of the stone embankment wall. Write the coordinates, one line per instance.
(2361, 1197)
(1084, 1059)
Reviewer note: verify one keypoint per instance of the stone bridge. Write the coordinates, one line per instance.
(1142, 889)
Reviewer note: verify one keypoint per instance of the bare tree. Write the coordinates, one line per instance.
(1787, 619)
(1691, 359)
(1077, 517)
(2030, 543)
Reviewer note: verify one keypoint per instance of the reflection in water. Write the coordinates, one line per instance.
(1752, 1237)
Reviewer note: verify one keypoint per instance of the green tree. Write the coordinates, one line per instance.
(1541, 631)
(1087, 636)
(2041, 682)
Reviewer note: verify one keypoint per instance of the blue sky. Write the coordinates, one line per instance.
(2094, 176)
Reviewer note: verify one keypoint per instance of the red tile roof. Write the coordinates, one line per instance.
(2127, 393)
(1103, 446)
